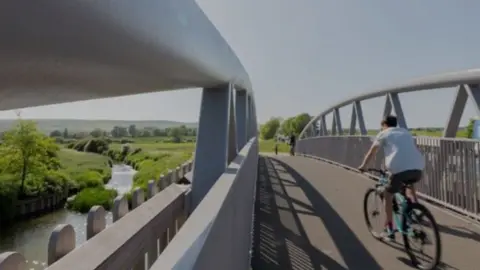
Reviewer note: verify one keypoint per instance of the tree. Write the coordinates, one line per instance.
(65, 133)
(270, 128)
(132, 130)
(183, 130)
(27, 151)
(118, 132)
(96, 133)
(56, 133)
(176, 135)
(470, 128)
(295, 125)
(287, 127)
(301, 121)
(158, 132)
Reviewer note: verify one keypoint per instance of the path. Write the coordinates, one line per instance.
(309, 216)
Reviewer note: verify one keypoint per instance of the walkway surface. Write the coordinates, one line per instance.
(309, 215)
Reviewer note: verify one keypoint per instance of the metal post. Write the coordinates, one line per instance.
(213, 140)
(338, 121)
(232, 133)
(456, 112)
(353, 121)
(397, 106)
(361, 120)
(473, 91)
(387, 109)
(241, 118)
(334, 125)
(324, 126)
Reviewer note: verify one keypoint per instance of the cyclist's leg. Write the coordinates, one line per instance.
(413, 177)
(394, 185)
(412, 193)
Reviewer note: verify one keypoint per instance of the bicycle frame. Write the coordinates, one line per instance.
(402, 203)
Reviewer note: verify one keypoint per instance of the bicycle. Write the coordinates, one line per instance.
(405, 214)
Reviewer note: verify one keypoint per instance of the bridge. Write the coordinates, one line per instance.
(231, 208)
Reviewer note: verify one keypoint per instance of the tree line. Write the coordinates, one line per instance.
(130, 131)
(277, 126)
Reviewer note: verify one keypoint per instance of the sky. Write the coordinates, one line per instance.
(306, 55)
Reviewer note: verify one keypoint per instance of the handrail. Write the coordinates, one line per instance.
(99, 49)
(124, 241)
(444, 80)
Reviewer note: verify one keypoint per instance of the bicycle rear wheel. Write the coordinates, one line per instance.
(416, 214)
(373, 213)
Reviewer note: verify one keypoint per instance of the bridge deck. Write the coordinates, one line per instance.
(309, 216)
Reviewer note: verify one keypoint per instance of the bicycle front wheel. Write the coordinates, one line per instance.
(372, 213)
(418, 215)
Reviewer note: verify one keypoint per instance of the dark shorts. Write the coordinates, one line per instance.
(403, 178)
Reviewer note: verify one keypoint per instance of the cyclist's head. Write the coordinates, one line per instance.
(389, 121)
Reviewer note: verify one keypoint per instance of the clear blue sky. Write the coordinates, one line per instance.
(304, 55)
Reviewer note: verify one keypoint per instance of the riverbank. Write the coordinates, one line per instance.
(30, 237)
(152, 157)
(74, 172)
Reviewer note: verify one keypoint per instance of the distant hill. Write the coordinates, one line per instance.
(77, 125)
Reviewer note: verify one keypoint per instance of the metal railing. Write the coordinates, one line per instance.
(452, 173)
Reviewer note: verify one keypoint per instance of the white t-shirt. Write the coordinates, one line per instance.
(401, 153)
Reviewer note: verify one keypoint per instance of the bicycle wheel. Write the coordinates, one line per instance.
(375, 213)
(414, 215)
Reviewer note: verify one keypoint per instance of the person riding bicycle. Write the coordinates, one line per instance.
(402, 159)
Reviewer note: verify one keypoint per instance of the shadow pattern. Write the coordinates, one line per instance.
(280, 240)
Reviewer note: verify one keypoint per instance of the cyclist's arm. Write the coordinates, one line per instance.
(379, 141)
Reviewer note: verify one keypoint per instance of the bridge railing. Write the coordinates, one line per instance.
(452, 172)
(218, 234)
(133, 236)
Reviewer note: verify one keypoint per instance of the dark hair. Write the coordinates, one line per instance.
(390, 121)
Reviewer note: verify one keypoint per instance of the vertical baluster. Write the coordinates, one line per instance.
(153, 249)
(61, 242)
(120, 208)
(12, 261)
(95, 221)
(138, 198)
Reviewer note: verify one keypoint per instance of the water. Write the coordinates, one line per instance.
(30, 238)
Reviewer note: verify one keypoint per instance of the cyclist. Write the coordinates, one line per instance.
(402, 159)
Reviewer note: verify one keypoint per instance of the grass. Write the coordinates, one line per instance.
(155, 158)
(89, 197)
(85, 170)
(79, 161)
(159, 147)
(268, 146)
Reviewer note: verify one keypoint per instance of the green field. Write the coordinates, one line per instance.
(151, 157)
(78, 161)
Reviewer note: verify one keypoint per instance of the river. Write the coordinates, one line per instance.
(30, 238)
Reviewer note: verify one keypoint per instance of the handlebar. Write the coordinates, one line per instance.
(381, 172)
